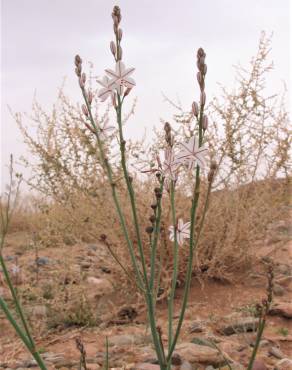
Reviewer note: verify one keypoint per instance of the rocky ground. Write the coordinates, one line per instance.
(58, 287)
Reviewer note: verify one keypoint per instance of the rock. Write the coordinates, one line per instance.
(278, 290)
(240, 325)
(276, 352)
(103, 286)
(196, 327)
(285, 281)
(37, 312)
(259, 365)
(284, 364)
(282, 309)
(186, 366)
(85, 265)
(42, 261)
(146, 366)
(195, 353)
(283, 269)
(66, 363)
(201, 342)
(128, 339)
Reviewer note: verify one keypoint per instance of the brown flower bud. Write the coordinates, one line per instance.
(120, 34)
(113, 48)
(81, 83)
(152, 218)
(119, 53)
(149, 229)
(77, 60)
(200, 78)
(90, 97)
(85, 110)
(205, 69)
(201, 53)
(195, 109)
(167, 127)
(78, 70)
(203, 98)
(127, 92)
(153, 206)
(83, 77)
(205, 123)
(213, 165)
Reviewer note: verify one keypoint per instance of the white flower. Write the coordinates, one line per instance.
(182, 231)
(108, 88)
(192, 154)
(121, 76)
(170, 165)
(105, 131)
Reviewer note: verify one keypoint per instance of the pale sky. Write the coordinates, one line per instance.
(39, 39)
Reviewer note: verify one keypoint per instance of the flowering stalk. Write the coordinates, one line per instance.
(195, 200)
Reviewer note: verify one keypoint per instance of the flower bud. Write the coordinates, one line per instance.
(85, 110)
(113, 48)
(90, 97)
(153, 206)
(78, 70)
(120, 34)
(119, 53)
(81, 83)
(114, 102)
(83, 77)
(203, 98)
(201, 53)
(200, 78)
(205, 123)
(167, 127)
(195, 109)
(127, 92)
(205, 69)
(152, 218)
(149, 229)
(77, 60)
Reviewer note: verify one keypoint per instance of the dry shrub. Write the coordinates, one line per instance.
(248, 135)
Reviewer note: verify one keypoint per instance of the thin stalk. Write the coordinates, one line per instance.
(195, 201)
(14, 295)
(175, 264)
(114, 194)
(22, 335)
(130, 189)
(155, 239)
(262, 324)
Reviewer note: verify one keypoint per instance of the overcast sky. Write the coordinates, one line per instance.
(39, 39)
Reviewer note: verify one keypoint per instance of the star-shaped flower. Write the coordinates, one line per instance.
(182, 231)
(108, 88)
(192, 154)
(170, 165)
(121, 76)
(105, 131)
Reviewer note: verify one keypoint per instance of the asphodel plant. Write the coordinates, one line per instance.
(191, 156)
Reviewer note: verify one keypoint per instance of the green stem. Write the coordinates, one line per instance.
(130, 188)
(14, 295)
(175, 265)
(262, 324)
(155, 240)
(114, 194)
(195, 201)
(21, 334)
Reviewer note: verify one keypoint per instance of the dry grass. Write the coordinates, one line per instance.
(248, 135)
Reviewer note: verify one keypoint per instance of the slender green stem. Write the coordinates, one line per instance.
(114, 194)
(14, 294)
(130, 188)
(175, 265)
(262, 323)
(22, 335)
(155, 239)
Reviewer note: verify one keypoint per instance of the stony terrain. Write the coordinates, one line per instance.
(59, 286)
